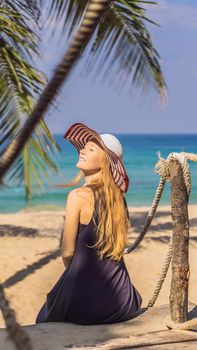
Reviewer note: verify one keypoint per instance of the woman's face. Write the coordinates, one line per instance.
(90, 157)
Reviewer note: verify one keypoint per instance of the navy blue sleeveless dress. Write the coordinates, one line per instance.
(91, 291)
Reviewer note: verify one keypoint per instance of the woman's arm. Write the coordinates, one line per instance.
(72, 218)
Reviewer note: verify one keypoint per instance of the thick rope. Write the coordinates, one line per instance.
(190, 324)
(163, 164)
(162, 275)
(162, 169)
(183, 157)
(149, 218)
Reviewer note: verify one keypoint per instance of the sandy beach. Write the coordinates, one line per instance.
(31, 262)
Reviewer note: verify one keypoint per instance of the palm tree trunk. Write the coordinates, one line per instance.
(95, 10)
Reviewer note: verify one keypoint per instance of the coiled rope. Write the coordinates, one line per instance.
(162, 169)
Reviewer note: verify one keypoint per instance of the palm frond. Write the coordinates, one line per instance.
(37, 162)
(124, 48)
(31, 9)
(20, 83)
(17, 34)
(69, 12)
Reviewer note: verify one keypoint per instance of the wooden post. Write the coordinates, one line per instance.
(180, 265)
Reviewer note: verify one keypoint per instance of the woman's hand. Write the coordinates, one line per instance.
(67, 260)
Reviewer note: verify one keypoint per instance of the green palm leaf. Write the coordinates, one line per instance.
(125, 44)
(20, 83)
(122, 47)
(70, 11)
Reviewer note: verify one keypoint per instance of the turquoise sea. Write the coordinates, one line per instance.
(140, 157)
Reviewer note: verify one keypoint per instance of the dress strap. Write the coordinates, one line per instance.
(125, 203)
(95, 212)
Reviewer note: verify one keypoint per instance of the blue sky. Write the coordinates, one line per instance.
(106, 109)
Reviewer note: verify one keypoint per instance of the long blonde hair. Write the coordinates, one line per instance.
(113, 223)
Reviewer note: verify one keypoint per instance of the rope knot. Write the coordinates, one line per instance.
(162, 168)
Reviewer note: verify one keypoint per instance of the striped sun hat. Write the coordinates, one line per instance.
(79, 134)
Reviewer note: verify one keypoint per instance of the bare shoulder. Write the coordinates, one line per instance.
(72, 199)
(84, 195)
(80, 193)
